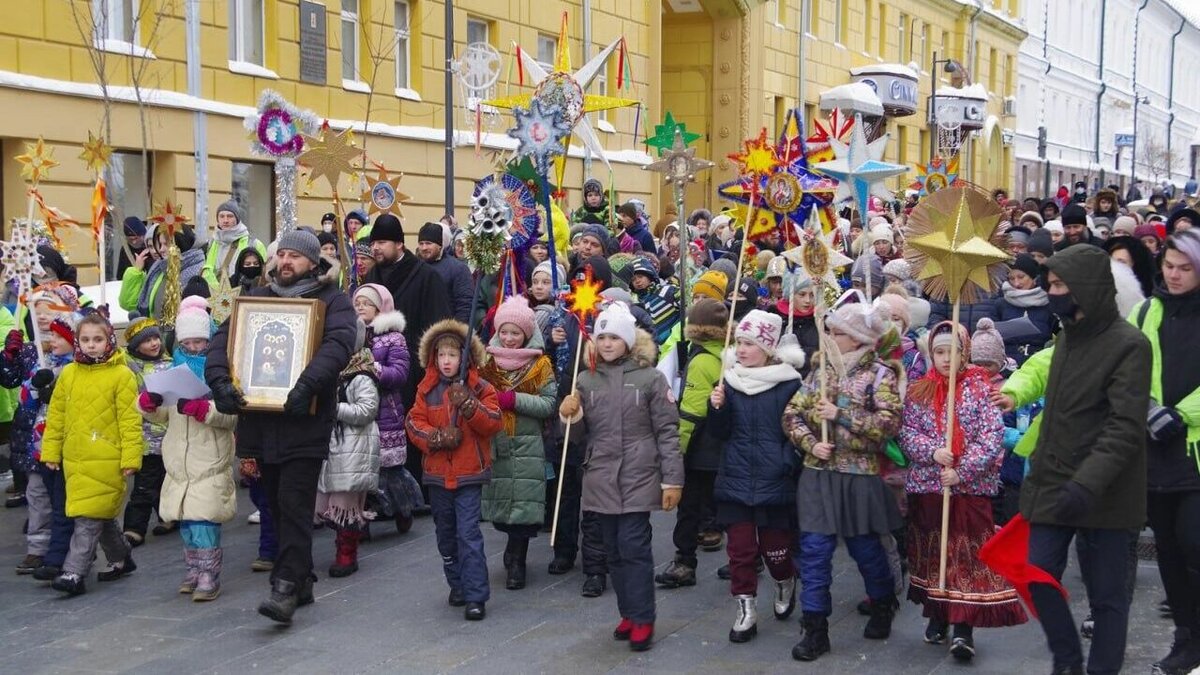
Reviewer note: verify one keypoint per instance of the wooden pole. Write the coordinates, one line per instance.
(821, 374)
(733, 300)
(951, 398)
(25, 284)
(562, 464)
(103, 254)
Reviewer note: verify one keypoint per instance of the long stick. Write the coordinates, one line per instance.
(103, 253)
(954, 347)
(562, 464)
(25, 285)
(733, 300)
(821, 374)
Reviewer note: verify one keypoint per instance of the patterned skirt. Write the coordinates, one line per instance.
(974, 595)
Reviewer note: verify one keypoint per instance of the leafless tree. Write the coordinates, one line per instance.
(1160, 161)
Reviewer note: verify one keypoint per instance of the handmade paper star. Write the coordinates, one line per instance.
(510, 203)
(664, 134)
(169, 217)
(818, 255)
(565, 89)
(222, 299)
(757, 157)
(36, 161)
(539, 133)
(584, 297)
(330, 155)
(277, 127)
(680, 164)
(96, 153)
(818, 148)
(383, 193)
(953, 246)
(759, 223)
(859, 168)
(19, 258)
(936, 175)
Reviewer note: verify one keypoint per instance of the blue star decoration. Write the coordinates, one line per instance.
(859, 168)
(539, 133)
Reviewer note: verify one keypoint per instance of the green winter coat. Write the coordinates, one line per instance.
(8, 397)
(1093, 429)
(517, 492)
(703, 372)
(1189, 406)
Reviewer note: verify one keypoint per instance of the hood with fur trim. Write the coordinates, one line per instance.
(700, 333)
(449, 327)
(644, 354)
(330, 271)
(389, 322)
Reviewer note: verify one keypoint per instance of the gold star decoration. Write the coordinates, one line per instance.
(330, 155)
(36, 161)
(96, 153)
(169, 217)
(383, 193)
(953, 246)
(222, 299)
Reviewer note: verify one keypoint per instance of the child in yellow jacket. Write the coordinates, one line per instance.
(94, 435)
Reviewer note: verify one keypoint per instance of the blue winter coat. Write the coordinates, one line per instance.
(759, 464)
(969, 315)
(1041, 317)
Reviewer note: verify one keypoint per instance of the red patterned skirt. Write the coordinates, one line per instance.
(974, 595)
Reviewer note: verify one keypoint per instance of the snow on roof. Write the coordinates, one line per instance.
(1189, 9)
(897, 69)
(856, 96)
(976, 91)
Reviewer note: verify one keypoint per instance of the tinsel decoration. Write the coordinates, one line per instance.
(170, 219)
(277, 131)
(508, 204)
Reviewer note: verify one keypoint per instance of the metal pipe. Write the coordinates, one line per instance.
(933, 120)
(970, 163)
(1046, 58)
(1137, 25)
(1100, 78)
(200, 119)
(805, 8)
(587, 53)
(1171, 95)
(449, 108)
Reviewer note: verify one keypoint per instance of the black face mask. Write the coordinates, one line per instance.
(1063, 306)
(250, 272)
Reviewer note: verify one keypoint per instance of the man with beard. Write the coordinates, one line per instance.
(1075, 228)
(432, 241)
(288, 448)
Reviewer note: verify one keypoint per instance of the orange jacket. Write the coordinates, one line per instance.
(471, 462)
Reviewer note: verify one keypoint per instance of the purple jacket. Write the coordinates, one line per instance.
(391, 361)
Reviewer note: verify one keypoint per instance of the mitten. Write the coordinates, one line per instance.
(148, 401)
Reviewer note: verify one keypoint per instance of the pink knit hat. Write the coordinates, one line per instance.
(515, 310)
(987, 346)
(377, 295)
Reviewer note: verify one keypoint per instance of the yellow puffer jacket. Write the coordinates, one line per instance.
(95, 432)
(198, 457)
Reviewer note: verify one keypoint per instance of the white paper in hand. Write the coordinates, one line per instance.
(175, 384)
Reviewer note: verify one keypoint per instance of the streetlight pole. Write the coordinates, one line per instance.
(933, 111)
(448, 171)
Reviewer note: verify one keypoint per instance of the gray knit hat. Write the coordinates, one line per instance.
(303, 242)
(230, 206)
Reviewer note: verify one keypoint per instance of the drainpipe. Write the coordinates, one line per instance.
(1137, 26)
(200, 123)
(802, 75)
(587, 54)
(448, 43)
(971, 60)
(1171, 94)
(1046, 58)
(1100, 77)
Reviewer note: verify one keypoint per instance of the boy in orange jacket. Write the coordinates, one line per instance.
(452, 423)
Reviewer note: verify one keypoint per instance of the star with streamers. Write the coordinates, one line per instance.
(36, 161)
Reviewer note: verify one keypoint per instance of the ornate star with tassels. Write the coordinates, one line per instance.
(36, 162)
(664, 134)
(953, 246)
(330, 155)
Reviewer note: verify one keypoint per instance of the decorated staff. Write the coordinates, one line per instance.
(582, 301)
(170, 220)
(540, 132)
(956, 253)
(20, 257)
(329, 156)
(96, 154)
(277, 131)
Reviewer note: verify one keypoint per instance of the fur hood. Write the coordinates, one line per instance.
(449, 327)
(1129, 289)
(330, 271)
(644, 354)
(389, 322)
(700, 333)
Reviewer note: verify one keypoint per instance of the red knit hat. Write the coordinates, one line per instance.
(63, 329)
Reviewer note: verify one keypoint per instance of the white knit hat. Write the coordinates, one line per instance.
(898, 268)
(617, 320)
(761, 328)
(864, 323)
(193, 320)
(881, 233)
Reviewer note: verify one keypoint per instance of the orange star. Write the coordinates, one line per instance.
(584, 296)
(170, 217)
(759, 156)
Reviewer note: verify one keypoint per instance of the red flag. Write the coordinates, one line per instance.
(1007, 554)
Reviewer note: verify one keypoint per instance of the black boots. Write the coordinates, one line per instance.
(816, 638)
(594, 585)
(514, 562)
(282, 604)
(678, 573)
(879, 626)
(1184, 655)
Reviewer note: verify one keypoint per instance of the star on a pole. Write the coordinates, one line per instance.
(330, 155)
(859, 168)
(680, 164)
(36, 161)
(758, 157)
(383, 193)
(19, 257)
(96, 153)
(664, 134)
(169, 217)
(951, 243)
(817, 255)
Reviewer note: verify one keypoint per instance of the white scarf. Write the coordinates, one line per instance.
(1034, 297)
(751, 381)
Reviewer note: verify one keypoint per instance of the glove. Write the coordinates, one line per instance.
(457, 394)
(1074, 502)
(227, 397)
(569, 407)
(298, 400)
(42, 378)
(196, 408)
(149, 401)
(435, 439)
(1163, 423)
(507, 399)
(248, 467)
(671, 497)
(451, 437)
(13, 343)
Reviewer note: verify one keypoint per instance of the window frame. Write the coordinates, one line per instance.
(403, 37)
(238, 32)
(351, 18)
(253, 217)
(480, 21)
(553, 40)
(102, 36)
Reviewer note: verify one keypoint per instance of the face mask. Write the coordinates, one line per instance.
(1063, 306)
(251, 272)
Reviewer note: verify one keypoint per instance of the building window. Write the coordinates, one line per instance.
(253, 188)
(780, 12)
(600, 88)
(947, 51)
(904, 46)
(350, 40)
(116, 20)
(547, 50)
(925, 45)
(814, 17)
(1008, 74)
(902, 143)
(993, 64)
(128, 195)
(839, 21)
(477, 31)
(866, 26)
(883, 31)
(246, 38)
(403, 42)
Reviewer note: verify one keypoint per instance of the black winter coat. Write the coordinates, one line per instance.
(421, 296)
(275, 437)
(969, 315)
(1169, 467)
(759, 464)
(1019, 350)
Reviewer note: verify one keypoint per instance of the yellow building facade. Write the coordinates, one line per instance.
(724, 67)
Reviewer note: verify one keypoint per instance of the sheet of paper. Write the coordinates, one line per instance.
(175, 384)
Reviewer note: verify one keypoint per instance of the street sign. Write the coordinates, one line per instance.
(1124, 140)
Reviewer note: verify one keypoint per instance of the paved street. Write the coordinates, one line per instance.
(392, 617)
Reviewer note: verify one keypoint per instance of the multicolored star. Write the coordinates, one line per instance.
(859, 168)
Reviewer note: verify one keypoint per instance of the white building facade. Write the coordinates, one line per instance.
(1087, 71)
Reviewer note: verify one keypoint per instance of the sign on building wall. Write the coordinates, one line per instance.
(312, 42)
(1124, 140)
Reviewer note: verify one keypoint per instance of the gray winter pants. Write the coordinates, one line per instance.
(40, 512)
(88, 533)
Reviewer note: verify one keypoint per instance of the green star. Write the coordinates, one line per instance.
(664, 134)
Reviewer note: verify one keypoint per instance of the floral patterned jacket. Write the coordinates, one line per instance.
(979, 466)
(869, 413)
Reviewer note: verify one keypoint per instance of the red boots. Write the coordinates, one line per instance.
(345, 561)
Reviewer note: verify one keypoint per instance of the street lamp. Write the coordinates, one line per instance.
(949, 66)
(1137, 102)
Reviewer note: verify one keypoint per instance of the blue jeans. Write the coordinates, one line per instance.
(456, 515)
(267, 548)
(1104, 564)
(816, 569)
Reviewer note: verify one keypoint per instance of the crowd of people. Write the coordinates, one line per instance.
(1076, 405)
